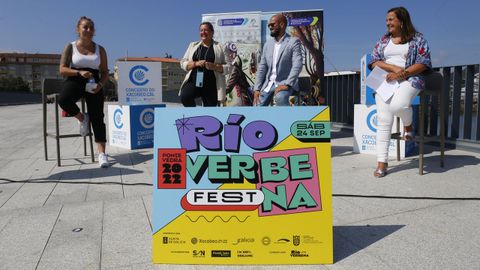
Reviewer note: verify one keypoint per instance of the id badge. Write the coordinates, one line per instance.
(199, 80)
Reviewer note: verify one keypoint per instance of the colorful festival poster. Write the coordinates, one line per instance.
(242, 185)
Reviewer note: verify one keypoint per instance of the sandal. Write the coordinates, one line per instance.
(379, 173)
(408, 136)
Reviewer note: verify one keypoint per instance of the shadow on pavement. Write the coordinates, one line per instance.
(341, 134)
(432, 163)
(347, 240)
(87, 174)
(133, 158)
(342, 151)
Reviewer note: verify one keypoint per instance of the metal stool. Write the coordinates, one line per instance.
(50, 90)
(428, 98)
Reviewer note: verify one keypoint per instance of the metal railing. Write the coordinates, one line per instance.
(461, 89)
(342, 92)
(462, 83)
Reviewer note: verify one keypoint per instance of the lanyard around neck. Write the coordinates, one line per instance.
(205, 55)
(198, 52)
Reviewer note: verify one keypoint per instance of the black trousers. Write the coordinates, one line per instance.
(190, 92)
(73, 90)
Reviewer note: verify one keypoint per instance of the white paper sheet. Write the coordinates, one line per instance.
(376, 80)
(386, 89)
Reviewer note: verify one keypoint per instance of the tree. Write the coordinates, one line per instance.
(13, 84)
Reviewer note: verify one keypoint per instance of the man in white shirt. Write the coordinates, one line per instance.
(279, 67)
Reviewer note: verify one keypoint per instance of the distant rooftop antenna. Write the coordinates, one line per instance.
(335, 68)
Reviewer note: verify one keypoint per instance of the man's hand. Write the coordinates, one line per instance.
(281, 88)
(256, 97)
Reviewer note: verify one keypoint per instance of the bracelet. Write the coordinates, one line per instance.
(78, 74)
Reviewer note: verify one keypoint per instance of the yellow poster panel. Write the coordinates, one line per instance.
(242, 186)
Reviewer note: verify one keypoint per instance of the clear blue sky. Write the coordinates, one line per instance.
(153, 28)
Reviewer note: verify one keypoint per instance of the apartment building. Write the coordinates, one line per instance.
(31, 67)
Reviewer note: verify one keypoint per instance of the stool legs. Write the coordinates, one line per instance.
(89, 137)
(91, 147)
(434, 87)
(84, 138)
(57, 132)
(44, 105)
(398, 138)
(442, 131)
(421, 131)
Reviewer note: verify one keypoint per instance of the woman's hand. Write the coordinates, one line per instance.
(395, 76)
(396, 69)
(210, 66)
(98, 88)
(214, 67)
(86, 74)
(200, 63)
(387, 67)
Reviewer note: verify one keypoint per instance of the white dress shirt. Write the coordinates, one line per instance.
(273, 76)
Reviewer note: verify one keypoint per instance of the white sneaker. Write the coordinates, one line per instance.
(85, 125)
(103, 160)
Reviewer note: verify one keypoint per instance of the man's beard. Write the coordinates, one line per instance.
(274, 33)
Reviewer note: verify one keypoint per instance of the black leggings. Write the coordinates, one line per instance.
(73, 90)
(190, 92)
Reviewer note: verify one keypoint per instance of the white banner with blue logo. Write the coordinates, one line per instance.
(131, 127)
(139, 83)
(240, 30)
(365, 133)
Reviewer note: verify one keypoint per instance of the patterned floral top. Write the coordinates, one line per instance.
(418, 53)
